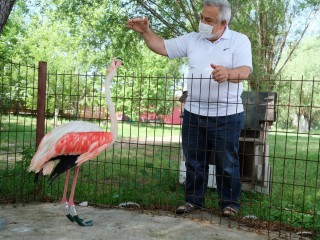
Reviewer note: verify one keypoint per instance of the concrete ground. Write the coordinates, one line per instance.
(47, 221)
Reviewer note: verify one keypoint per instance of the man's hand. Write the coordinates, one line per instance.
(138, 24)
(154, 42)
(220, 73)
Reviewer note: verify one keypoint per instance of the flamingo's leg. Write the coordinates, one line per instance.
(64, 201)
(72, 208)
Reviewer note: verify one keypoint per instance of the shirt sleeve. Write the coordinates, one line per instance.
(242, 54)
(177, 47)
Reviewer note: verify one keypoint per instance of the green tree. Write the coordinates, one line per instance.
(80, 36)
(300, 86)
(83, 35)
(271, 25)
(11, 94)
(276, 28)
(13, 31)
(5, 10)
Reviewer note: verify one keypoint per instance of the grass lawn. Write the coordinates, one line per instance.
(147, 172)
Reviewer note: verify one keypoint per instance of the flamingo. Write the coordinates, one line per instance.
(72, 144)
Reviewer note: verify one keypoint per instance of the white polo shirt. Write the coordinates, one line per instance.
(205, 96)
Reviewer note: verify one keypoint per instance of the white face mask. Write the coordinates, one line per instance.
(205, 30)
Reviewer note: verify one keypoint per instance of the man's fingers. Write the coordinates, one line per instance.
(137, 20)
(213, 65)
(130, 23)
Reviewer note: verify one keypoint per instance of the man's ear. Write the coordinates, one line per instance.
(224, 23)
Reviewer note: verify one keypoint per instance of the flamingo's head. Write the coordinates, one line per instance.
(116, 62)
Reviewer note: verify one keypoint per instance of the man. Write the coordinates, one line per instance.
(219, 59)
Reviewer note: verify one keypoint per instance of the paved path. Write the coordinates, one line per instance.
(47, 221)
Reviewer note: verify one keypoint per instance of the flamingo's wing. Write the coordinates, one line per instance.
(49, 140)
(94, 151)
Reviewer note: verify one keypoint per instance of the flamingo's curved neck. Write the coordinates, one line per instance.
(112, 111)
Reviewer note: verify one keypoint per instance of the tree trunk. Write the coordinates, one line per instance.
(5, 9)
(302, 123)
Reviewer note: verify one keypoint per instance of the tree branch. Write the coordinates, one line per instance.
(187, 15)
(158, 16)
(308, 22)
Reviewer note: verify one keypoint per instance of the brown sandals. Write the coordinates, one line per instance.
(189, 208)
(229, 211)
(186, 208)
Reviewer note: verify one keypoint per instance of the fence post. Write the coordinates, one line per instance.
(42, 77)
(41, 108)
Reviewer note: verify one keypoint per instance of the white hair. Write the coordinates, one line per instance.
(224, 7)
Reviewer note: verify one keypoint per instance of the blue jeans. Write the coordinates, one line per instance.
(201, 137)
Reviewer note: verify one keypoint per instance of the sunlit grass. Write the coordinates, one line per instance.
(18, 132)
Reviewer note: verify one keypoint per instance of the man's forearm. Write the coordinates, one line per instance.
(238, 74)
(154, 42)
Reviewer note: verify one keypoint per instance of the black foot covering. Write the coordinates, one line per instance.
(81, 222)
(69, 216)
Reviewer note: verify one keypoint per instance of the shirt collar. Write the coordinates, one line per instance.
(227, 33)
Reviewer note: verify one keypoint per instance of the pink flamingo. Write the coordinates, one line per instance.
(72, 144)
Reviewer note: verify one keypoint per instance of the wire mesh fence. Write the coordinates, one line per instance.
(278, 146)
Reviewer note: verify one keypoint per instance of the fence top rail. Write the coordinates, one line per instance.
(19, 64)
(301, 78)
